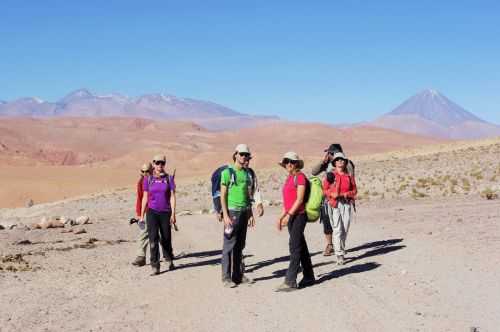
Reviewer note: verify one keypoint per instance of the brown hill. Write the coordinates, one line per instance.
(53, 158)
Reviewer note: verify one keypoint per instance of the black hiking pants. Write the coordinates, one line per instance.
(232, 248)
(159, 229)
(299, 253)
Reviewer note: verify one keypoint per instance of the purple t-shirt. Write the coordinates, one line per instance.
(159, 191)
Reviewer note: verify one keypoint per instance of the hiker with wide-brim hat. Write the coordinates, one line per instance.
(326, 165)
(236, 202)
(294, 217)
(158, 204)
(340, 193)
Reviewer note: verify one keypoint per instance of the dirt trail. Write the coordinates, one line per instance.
(412, 266)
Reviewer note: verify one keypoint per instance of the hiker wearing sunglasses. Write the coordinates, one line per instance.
(326, 165)
(143, 239)
(236, 193)
(158, 204)
(340, 191)
(294, 217)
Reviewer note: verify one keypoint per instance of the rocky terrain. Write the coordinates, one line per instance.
(416, 262)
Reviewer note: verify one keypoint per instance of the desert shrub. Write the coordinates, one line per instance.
(417, 194)
(488, 193)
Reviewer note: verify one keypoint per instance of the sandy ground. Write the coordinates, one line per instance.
(413, 265)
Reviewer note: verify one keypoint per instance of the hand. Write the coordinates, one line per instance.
(227, 221)
(326, 158)
(334, 195)
(173, 219)
(251, 221)
(278, 225)
(260, 210)
(219, 217)
(285, 219)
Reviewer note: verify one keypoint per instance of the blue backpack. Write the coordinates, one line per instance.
(216, 180)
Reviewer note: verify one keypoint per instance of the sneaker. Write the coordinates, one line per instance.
(284, 287)
(139, 261)
(306, 282)
(228, 283)
(156, 270)
(328, 250)
(340, 260)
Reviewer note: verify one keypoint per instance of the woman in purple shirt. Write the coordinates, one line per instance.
(159, 198)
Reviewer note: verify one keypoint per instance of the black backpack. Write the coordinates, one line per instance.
(216, 179)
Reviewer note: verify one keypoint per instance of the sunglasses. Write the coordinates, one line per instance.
(159, 162)
(244, 154)
(289, 161)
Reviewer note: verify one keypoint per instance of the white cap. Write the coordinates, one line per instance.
(292, 156)
(339, 155)
(242, 148)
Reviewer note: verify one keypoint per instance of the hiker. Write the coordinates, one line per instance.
(158, 204)
(340, 191)
(326, 166)
(143, 240)
(237, 216)
(295, 218)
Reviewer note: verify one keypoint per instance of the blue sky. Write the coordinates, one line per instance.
(332, 61)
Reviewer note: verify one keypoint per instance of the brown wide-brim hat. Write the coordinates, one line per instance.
(146, 167)
(292, 156)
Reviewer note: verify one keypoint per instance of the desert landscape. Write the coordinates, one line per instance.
(422, 248)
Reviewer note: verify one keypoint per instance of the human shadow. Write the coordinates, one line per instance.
(203, 254)
(214, 261)
(375, 252)
(383, 243)
(358, 268)
(260, 265)
(282, 272)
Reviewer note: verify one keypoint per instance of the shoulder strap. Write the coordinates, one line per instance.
(232, 176)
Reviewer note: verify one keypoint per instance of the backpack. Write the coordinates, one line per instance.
(313, 197)
(216, 179)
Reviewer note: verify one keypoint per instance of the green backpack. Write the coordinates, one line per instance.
(313, 204)
(314, 197)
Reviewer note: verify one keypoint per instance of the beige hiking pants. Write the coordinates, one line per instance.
(340, 218)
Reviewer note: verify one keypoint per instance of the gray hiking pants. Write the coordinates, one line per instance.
(340, 218)
(232, 248)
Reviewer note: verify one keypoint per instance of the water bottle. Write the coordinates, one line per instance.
(228, 231)
(142, 224)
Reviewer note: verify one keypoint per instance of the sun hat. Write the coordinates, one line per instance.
(159, 157)
(292, 156)
(339, 155)
(146, 167)
(242, 148)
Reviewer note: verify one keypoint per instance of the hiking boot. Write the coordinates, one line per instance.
(228, 283)
(340, 260)
(306, 282)
(156, 270)
(328, 250)
(246, 280)
(171, 266)
(284, 287)
(139, 261)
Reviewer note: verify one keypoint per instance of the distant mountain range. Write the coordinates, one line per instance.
(430, 113)
(82, 103)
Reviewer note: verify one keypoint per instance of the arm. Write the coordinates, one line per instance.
(173, 205)
(321, 166)
(257, 197)
(354, 190)
(138, 202)
(223, 202)
(144, 204)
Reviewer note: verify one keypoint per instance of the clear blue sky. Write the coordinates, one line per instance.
(334, 61)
